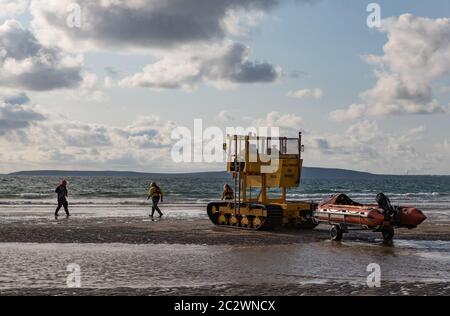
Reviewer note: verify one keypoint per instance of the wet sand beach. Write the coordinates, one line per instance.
(187, 255)
(170, 230)
(245, 290)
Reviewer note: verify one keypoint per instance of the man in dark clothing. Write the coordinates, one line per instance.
(61, 192)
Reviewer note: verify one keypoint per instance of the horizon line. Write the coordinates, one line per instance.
(205, 171)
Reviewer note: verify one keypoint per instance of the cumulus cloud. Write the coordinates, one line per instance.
(283, 121)
(91, 87)
(15, 97)
(225, 116)
(416, 54)
(306, 94)
(145, 133)
(367, 146)
(46, 139)
(16, 114)
(142, 24)
(25, 63)
(34, 137)
(190, 39)
(320, 144)
(110, 80)
(149, 132)
(365, 131)
(10, 8)
(78, 134)
(220, 66)
(354, 111)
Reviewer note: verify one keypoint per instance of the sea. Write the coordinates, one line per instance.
(121, 194)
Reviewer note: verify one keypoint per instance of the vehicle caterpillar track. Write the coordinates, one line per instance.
(250, 216)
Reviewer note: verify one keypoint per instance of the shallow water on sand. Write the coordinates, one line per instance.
(136, 266)
(42, 214)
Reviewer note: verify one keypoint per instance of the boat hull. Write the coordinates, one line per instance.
(409, 217)
(367, 217)
(340, 209)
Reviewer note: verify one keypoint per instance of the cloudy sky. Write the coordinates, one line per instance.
(106, 94)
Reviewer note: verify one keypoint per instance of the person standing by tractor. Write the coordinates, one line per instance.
(156, 194)
(62, 194)
(227, 193)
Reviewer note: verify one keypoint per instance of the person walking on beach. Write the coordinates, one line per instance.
(227, 193)
(62, 193)
(156, 195)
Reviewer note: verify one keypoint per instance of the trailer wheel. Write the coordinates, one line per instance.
(336, 233)
(388, 234)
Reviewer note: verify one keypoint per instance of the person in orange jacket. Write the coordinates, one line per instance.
(156, 194)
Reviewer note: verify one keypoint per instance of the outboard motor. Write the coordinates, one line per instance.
(384, 202)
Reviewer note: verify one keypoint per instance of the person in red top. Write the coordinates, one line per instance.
(62, 193)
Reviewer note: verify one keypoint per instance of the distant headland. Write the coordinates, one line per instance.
(307, 173)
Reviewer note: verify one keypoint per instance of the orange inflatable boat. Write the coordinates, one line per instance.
(345, 214)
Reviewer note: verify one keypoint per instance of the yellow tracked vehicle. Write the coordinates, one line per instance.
(263, 169)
